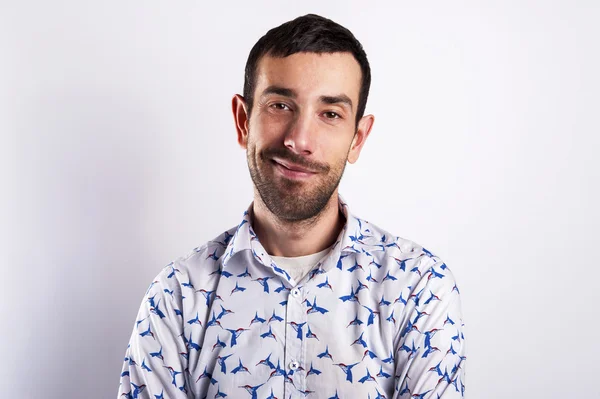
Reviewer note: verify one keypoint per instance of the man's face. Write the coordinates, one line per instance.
(301, 130)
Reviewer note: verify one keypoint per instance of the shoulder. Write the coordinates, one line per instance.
(201, 260)
(423, 263)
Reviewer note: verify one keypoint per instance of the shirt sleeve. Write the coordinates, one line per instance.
(155, 364)
(430, 347)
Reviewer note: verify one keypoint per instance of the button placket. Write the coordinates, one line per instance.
(296, 326)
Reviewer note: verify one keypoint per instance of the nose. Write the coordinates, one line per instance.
(300, 135)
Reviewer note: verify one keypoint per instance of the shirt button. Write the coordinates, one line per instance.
(294, 365)
(296, 292)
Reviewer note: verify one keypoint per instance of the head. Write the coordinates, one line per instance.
(301, 117)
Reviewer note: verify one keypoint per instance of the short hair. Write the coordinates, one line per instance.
(309, 33)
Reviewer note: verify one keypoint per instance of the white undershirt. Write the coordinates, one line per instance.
(298, 266)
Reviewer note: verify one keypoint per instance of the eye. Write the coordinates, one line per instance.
(280, 106)
(331, 115)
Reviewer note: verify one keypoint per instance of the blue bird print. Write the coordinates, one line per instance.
(410, 350)
(157, 311)
(221, 360)
(389, 359)
(356, 266)
(235, 335)
(325, 354)
(314, 308)
(335, 396)
(372, 314)
(361, 286)
(449, 320)
(214, 321)
(240, 368)
(313, 370)
(207, 295)
(404, 390)
(339, 262)
(145, 366)
(245, 274)
(256, 256)
(277, 371)
(269, 334)
(195, 320)
(325, 284)
(257, 319)
(219, 343)
(388, 276)
(298, 328)
(355, 322)
(173, 373)
(173, 271)
(220, 394)
(138, 389)
(224, 312)
(188, 284)
(192, 344)
(382, 373)
(391, 318)
(275, 317)
(147, 332)
(206, 374)
(281, 288)
(434, 274)
(370, 277)
(370, 354)
(353, 297)
(264, 282)
(360, 341)
(310, 334)
(252, 390)
(347, 369)
(267, 362)
(420, 395)
(237, 289)
(401, 263)
(137, 323)
(213, 255)
(280, 271)
(432, 297)
(367, 377)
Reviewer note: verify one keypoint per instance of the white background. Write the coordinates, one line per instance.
(118, 155)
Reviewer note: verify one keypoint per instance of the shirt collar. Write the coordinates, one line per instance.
(244, 239)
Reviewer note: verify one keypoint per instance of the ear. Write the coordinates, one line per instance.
(240, 117)
(365, 124)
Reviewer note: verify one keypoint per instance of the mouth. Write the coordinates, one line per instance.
(291, 170)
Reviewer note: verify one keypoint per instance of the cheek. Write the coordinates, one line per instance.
(336, 151)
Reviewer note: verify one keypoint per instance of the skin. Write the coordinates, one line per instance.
(310, 124)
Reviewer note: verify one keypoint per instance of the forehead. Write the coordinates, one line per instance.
(311, 74)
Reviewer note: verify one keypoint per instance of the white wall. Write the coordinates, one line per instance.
(116, 137)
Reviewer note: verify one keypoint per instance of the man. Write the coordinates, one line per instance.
(301, 299)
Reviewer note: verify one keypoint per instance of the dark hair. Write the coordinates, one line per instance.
(309, 33)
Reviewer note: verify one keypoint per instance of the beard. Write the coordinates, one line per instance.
(288, 199)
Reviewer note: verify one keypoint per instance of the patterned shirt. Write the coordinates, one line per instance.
(378, 317)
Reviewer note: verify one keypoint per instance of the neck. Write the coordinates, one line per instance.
(299, 237)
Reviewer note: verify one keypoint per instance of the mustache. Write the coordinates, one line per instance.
(287, 155)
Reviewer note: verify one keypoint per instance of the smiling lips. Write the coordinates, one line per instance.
(293, 167)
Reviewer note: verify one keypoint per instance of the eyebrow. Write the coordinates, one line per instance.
(341, 99)
(285, 92)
